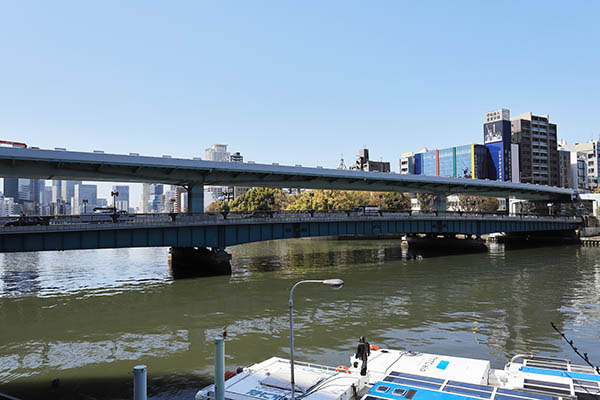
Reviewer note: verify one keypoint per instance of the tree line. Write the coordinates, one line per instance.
(268, 199)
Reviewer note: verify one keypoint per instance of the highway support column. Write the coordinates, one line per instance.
(439, 203)
(195, 198)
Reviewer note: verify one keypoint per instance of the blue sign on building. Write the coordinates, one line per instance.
(497, 138)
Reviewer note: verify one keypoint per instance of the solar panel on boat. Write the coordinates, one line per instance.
(471, 386)
(508, 394)
(552, 387)
(417, 377)
(412, 382)
(468, 392)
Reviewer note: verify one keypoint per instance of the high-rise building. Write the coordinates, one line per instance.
(68, 190)
(217, 152)
(564, 168)
(363, 163)
(152, 198)
(81, 192)
(122, 202)
(11, 188)
(590, 152)
(57, 191)
(497, 139)
(538, 155)
(583, 161)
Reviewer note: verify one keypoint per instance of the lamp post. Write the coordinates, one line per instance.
(114, 195)
(334, 284)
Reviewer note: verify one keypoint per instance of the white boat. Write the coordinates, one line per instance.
(446, 378)
(270, 380)
(399, 375)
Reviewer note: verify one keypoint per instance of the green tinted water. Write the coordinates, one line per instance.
(87, 317)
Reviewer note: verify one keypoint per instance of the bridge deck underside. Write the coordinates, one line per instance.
(224, 235)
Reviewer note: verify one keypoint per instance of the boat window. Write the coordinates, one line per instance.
(399, 392)
(382, 388)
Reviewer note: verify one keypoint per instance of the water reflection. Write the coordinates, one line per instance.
(91, 315)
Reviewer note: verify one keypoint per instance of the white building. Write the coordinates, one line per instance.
(582, 163)
(217, 152)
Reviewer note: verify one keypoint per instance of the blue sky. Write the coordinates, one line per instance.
(291, 82)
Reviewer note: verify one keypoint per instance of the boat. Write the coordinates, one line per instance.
(270, 380)
(399, 375)
(523, 377)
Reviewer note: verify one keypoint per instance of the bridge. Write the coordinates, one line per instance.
(193, 174)
(216, 232)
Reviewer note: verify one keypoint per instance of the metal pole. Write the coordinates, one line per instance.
(219, 369)
(139, 383)
(292, 381)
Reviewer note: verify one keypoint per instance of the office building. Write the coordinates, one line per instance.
(538, 153)
(11, 188)
(498, 140)
(122, 200)
(68, 190)
(468, 161)
(590, 152)
(407, 163)
(152, 198)
(8, 207)
(363, 163)
(217, 152)
(582, 162)
(56, 191)
(84, 198)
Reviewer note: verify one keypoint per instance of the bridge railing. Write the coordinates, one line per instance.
(103, 221)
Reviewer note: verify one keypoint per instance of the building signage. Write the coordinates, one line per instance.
(493, 132)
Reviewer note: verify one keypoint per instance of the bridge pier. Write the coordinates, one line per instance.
(190, 262)
(195, 198)
(439, 203)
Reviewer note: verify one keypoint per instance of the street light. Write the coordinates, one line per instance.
(114, 196)
(334, 284)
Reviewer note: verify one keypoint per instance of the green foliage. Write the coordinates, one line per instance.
(396, 201)
(266, 199)
(218, 206)
(259, 199)
(470, 203)
(328, 200)
(426, 202)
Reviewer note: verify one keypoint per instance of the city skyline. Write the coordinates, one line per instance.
(393, 77)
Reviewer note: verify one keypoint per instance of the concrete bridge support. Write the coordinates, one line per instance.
(189, 262)
(195, 198)
(439, 203)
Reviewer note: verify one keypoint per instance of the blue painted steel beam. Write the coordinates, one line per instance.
(222, 235)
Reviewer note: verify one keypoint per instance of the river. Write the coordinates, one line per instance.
(85, 318)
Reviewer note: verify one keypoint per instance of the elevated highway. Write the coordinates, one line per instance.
(195, 173)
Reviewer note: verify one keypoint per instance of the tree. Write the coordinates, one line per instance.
(471, 203)
(218, 206)
(426, 202)
(328, 200)
(393, 200)
(259, 199)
